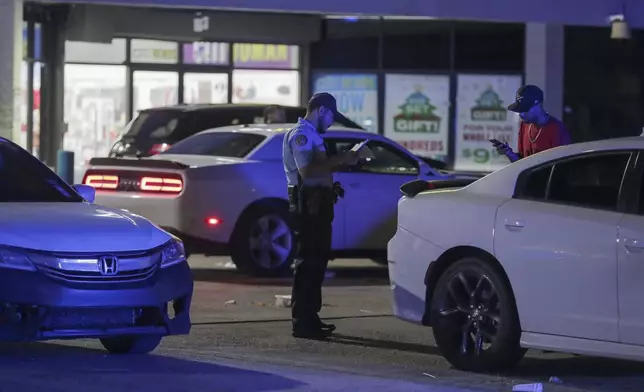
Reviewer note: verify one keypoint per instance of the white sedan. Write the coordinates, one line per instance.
(224, 191)
(546, 253)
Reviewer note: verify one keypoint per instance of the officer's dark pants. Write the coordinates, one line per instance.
(313, 223)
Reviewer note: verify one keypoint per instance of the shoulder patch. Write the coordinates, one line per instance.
(301, 140)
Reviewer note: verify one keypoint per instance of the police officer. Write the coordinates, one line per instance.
(312, 195)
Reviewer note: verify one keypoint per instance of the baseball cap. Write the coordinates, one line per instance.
(527, 96)
(328, 101)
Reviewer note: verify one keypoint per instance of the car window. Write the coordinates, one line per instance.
(536, 183)
(23, 178)
(221, 144)
(592, 181)
(156, 124)
(388, 159)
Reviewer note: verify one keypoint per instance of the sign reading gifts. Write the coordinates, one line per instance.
(482, 114)
(266, 56)
(417, 113)
(356, 95)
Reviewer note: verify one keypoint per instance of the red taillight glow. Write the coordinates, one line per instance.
(212, 221)
(158, 148)
(100, 181)
(161, 184)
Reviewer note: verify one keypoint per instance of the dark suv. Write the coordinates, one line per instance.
(155, 130)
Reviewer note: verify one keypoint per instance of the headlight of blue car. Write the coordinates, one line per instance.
(15, 259)
(173, 253)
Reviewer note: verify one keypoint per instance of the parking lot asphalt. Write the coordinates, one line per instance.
(241, 341)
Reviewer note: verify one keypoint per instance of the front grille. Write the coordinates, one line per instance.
(86, 268)
(89, 277)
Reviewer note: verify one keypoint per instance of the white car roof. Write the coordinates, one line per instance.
(502, 182)
(272, 129)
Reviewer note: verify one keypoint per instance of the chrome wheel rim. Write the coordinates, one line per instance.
(470, 308)
(271, 242)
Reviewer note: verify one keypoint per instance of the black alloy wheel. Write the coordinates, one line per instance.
(476, 325)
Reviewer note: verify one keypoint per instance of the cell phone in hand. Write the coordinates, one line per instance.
(360, 145)
(496, 143)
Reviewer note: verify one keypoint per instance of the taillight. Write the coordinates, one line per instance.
(161, 184)
(100, 181)
(158, 148)
(212, 221)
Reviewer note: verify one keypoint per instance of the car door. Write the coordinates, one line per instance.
(372, 193)
(557, 240)
(630, 261)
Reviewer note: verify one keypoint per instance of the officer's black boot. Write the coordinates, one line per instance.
(310, 330)
(325, 327)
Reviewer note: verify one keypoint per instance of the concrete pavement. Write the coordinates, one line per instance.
(246, 346)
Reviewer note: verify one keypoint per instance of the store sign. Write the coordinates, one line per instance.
(266, 87)
(482, 115)
(417, 113)
(356, 94)
(265, 56)
(210, 53)
(155, 52)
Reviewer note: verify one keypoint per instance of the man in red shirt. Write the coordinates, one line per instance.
(539, 131)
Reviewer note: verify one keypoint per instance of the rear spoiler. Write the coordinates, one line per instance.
(413, 188)
(138, 163)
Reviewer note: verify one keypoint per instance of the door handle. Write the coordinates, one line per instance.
(514, 224)
(632, 245)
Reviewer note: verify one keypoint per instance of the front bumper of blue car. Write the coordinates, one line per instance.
(43, 305)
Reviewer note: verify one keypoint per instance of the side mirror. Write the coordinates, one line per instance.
(87, 192)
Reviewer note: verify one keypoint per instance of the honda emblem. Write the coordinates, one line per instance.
(108, 265)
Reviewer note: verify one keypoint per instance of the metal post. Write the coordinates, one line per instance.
(31, 32)
(65, 165)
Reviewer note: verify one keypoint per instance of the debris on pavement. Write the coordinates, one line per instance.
(538, 387)
(230, 302)
(555, 380)
(283, 301)
(365, 311)
(429, 375)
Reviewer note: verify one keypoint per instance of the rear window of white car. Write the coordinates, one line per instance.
(221, 144)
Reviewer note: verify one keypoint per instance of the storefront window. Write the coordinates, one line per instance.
(206, 53)
(205, 88)
(94, 52)
(154, 89)
(266, 56)
(154, 52)
(266, 87)
(357, 96)
(417, 113)
(95, 109)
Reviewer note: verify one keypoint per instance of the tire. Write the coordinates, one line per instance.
(495, 316)
(263, 243)
(131, 344)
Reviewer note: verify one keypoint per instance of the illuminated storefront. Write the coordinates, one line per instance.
(107, 84)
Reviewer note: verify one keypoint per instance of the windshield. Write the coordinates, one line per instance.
(221, 144)
(154, 124)
(23, 178)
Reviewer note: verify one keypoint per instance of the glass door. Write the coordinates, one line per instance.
(152, 89)
(206, 88)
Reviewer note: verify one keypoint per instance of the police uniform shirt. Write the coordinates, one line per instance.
(299, 149)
